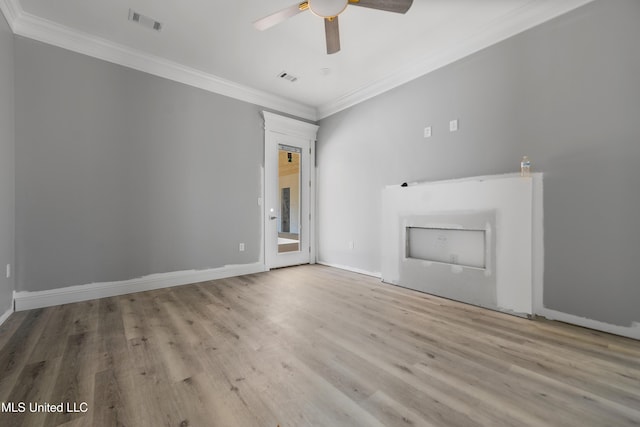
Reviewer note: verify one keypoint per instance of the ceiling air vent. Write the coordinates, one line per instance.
(145, 21)
(286, 76)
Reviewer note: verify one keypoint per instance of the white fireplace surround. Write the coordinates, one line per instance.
(498, 264)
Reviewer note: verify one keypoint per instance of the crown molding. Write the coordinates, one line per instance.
(33, 27)
(10, 9)
(508, 25)
(517, 21)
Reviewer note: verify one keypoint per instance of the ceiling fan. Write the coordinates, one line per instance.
(329, 10)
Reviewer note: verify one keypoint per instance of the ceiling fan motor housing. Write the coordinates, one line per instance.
(327, 8)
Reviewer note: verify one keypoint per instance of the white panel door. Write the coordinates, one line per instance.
(288, 202)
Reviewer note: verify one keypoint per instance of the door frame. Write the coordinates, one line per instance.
(280, 129)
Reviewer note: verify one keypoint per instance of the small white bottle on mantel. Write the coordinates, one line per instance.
(525, 166)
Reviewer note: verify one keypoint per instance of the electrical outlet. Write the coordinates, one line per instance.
(241, 247)
(351, 244)
(453, 125)
(427, 132)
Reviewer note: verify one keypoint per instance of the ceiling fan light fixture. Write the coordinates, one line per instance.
(327, 8)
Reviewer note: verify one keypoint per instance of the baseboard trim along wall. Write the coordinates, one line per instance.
(632, 331)
(30, 300)
(351, 269)
(6, 314)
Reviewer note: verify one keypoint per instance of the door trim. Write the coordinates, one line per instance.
(275, 127)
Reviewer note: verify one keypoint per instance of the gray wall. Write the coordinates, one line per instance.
(566, 93)
(121, 174)
(7, 147)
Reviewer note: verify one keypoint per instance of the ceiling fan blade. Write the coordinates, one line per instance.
(332, 34)
(280, 16)
(397, 6)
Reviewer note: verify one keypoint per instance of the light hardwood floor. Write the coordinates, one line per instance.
(310, 346)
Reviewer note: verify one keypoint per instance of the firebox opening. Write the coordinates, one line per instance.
(464, 247)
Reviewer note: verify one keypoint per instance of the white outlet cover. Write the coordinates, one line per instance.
(427, 132)
(453, 125)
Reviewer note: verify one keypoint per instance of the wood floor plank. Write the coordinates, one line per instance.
(73, 383)
(9, 327)
(237, 377)
(392, 412)
(310, 346)
(112, 408)
(33, 387)
(16, 352)
(151, 385)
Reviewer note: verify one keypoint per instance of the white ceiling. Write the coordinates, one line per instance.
(212, 43)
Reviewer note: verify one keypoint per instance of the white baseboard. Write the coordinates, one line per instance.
(632, 331)
(352, 269)
(71, 294)
(6, 314)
